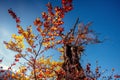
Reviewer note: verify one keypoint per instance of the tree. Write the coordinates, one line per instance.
(50, 36)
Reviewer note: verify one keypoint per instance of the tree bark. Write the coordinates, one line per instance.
(71, 65)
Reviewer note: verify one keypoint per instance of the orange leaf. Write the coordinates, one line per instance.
(29, 49)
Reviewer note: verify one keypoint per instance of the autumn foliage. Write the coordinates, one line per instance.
(50, 36)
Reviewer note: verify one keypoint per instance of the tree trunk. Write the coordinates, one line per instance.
(71, 65)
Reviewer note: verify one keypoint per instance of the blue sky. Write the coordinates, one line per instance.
(104, 13)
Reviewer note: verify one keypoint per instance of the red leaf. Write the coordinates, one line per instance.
(116, 76)
(17, 20)
(12, 13)
(0, 60)
(16, 59)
